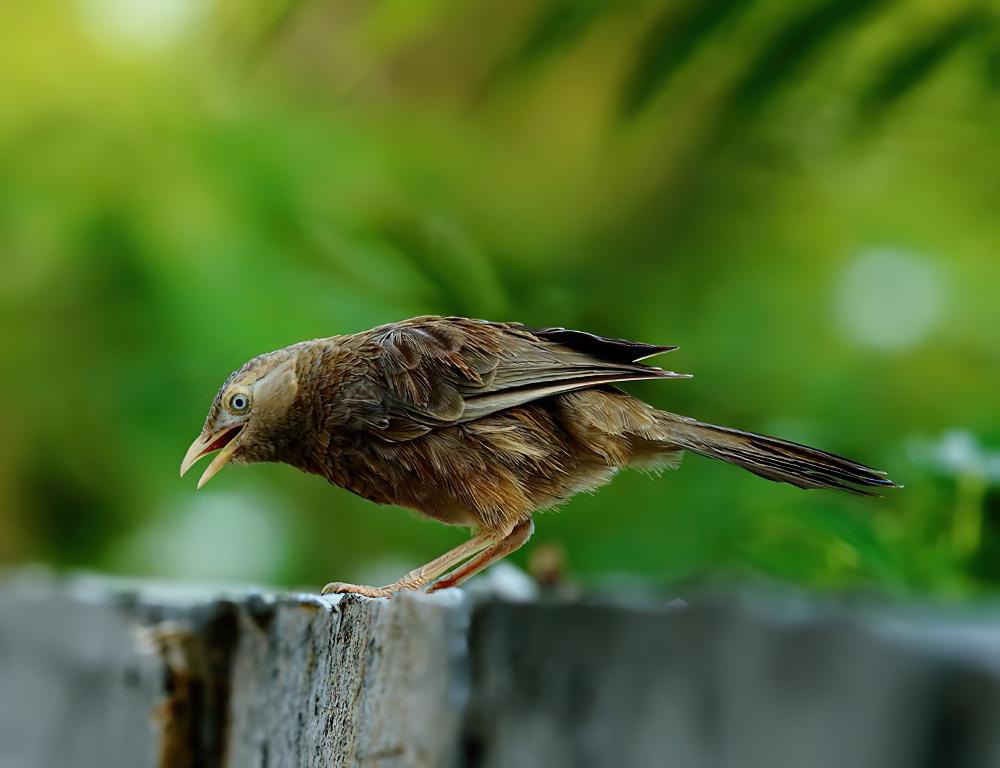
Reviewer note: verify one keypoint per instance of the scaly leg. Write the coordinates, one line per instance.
(511, 542)
(418, 577)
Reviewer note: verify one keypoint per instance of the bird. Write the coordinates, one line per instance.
(477, 424)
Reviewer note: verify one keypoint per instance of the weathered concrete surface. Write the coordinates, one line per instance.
(98, 673)
(730, 684)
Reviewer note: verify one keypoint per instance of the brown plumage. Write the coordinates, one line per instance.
(477, 424)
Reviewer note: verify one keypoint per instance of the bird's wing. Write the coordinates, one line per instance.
(438, 371)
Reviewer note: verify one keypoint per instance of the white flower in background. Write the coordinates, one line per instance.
(957, 452)
(974, 469)
(889, 299)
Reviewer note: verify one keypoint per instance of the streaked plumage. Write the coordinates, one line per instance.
(478, 424)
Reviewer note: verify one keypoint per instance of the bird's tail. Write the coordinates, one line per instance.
(773, 458)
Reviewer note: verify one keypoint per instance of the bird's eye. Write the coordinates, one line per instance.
(239, 403)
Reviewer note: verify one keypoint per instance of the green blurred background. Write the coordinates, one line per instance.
(803, 196)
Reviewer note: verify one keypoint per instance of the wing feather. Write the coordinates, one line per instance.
(440, 371)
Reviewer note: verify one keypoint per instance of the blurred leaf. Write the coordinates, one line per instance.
(804, 37)
(671, 40)
(915, 63)
(559, 24)
(462, 272)
(272, 29)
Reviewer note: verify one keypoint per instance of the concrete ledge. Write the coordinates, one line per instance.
(105, 673)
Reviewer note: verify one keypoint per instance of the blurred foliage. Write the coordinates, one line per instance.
(802, 195)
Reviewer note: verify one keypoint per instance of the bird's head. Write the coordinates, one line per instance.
(249, 417)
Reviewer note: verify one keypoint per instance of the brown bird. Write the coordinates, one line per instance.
(477, 424)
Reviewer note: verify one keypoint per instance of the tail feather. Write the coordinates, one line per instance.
(776, 459)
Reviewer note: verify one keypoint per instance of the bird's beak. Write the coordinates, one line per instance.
(208, 442)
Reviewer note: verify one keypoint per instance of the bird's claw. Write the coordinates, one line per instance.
(343, 588)
(442, 583)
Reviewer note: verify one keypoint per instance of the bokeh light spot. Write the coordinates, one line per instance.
(216, 537)
(889, 299)
(146, 24)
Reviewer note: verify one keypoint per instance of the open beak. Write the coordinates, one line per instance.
(224, 439)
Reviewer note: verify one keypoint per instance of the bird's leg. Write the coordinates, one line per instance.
(499, 550)
(418, 577)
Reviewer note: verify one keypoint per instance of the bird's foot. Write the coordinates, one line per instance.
(445, 582)
(343, 588)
